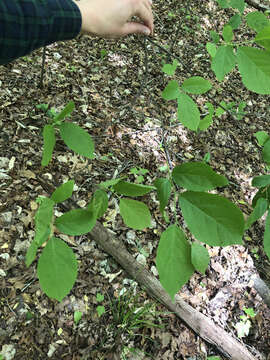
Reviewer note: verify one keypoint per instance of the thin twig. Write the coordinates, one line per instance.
(42, 67)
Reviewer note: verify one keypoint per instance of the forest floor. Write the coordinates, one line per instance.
(116, 87)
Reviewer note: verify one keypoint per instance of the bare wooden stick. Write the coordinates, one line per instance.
(262, 289)
(203, 326)
(257, 5)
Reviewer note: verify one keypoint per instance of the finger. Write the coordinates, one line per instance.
(146, 16)
(135, 28)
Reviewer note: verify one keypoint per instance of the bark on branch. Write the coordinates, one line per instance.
(203, 326)
(257, 5)
(262, 289)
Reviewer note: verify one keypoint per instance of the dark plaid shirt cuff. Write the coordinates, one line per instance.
(26, 25)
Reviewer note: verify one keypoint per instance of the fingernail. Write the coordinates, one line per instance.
(146, 31)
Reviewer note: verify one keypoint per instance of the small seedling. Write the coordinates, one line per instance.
(139, 174)
(43, 107)
(100, 308)
(73, 136)
(129, 315)
(103, 53)
(77, 316)
(243, 326)
(29, 316)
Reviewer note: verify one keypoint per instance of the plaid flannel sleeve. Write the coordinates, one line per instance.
(26, 25)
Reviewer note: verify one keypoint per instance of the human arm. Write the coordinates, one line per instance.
(26, 25)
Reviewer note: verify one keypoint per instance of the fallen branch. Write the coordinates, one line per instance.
(203, 326)
(262, 289)
(257, 5)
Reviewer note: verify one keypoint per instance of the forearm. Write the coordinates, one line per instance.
(26, 25)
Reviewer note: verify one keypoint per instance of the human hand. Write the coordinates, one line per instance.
(109, 18)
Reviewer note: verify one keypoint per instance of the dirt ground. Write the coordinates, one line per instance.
(116, 87)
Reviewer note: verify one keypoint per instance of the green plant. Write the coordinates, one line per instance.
(130, 351)
(73, 136)
(253, 65)
(139, 174)
(100, 308)
(77, 316)
(210, 218)
(243, 326)
(103, 53)
(261, 200)
(128, 315)
(57, 264)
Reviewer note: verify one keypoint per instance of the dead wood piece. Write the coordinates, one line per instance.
(262, 289)
(198, 322)
(257, 5)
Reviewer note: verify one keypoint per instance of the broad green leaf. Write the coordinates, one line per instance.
(262, 193)
(223, 62)
(238, 4)
(43, 219)
(211, 49)
(135, 214)
(197, 176)
(31, 253)
(173, 260)
(260, 208)
(49, 143)
(129, 189)
(196, 85)
(207, 157)
(43, 107)
(65, 112)
(169, 69)
(212, 219)
(77, 316)
(100, 310)
(199, 257)
(261, 137)
(214, 36)
(57, 269)
(208, 119)
(107, 184)
(76, 222)
(220, 110)
(256, 20)
(63, 192)
(99, 203)
(266, 237)
(240, 111)
(77, 139)
(210, 108)
(188, 112)
(254, 67)
(266, 152)
(261, 181)
(224, 4)
(263, 38)
(227, 33)
(235, 21)
(99, 297)
(163, 192)
(171, 91)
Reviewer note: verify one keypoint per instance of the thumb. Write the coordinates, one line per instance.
(135, 28)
